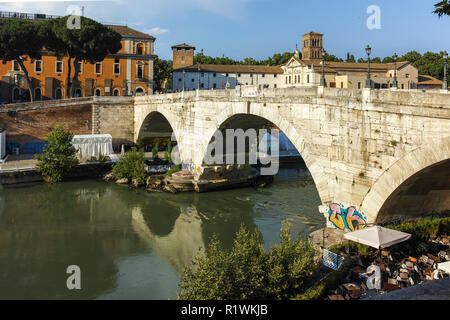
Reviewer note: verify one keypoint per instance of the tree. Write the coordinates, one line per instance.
(131, 166)
(330, 57)
(248, 271)
(442, 8)
(350, 58)
(59, 156)
(92, 42)
(20, 40)
(163, 74)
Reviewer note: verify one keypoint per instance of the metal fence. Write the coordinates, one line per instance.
(331, 259)
(29, 16)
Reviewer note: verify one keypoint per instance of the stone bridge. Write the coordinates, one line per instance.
(382, 152)
(376, 153)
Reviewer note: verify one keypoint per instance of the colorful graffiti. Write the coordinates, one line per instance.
(346, 219)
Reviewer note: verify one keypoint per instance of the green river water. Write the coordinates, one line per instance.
(130, 244)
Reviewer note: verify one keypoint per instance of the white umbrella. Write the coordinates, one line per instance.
(377, 237)
(444, 266)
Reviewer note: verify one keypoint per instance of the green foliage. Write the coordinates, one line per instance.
(330, 57)
(163, 74)
(424, 229)
(155, 151)
(140, 143)
(247, 271)
(323, 285)
(20, 40)
(168, 153)
(131, 166)
(275, 60)
(173, 170)
(59, 156)
(442, 8)
(91, 43)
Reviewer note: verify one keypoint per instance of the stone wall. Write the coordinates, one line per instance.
(32, 122)
(359, 145)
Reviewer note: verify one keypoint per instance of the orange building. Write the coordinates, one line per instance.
(128, 72)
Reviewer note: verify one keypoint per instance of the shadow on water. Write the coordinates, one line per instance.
(128, 243)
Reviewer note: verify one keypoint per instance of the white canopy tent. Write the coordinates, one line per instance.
(377, 237)
(93, 145)
(444, 266)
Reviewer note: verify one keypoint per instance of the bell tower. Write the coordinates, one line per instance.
(312, 46)
(183, 56)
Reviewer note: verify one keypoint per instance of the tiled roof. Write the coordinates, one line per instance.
(184, 46)
(219, 68)
(345, 66)
(428, 80)
(125, 31)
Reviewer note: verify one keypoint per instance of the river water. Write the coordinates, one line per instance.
(130, 244)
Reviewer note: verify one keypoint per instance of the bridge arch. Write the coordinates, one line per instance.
(432, 156)
(272, 115)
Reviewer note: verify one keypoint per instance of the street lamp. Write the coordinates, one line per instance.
(198, 69)
(445, 83)
(368, 81)
(322, 80)
(395, 85)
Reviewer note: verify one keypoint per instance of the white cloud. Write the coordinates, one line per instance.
(156, 31)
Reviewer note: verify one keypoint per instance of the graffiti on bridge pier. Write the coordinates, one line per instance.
(346, 219)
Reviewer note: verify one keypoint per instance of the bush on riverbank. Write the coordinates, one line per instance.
(59, 156)
(248, 271)
(131, 167)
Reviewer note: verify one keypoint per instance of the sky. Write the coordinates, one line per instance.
(260, 28)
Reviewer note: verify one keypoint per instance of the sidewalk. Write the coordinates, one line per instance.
(18, 163)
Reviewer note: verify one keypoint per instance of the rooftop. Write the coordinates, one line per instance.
(231, 68)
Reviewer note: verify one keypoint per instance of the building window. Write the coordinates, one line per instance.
(98, 92)
(140, 92)
(15, 94)
(59, 65)
(16, 66)
(202, 85)
(407, 75)
(182, 58)
(116, 92)
(307, 78)
(359, 85)
(116, 66)
(274, 75)
(38, 66)
(290, 79)
(179, 80)
(202, 75)
(140, 70)
(342, 85)
(403, 86)
(80, 67)
(140, 49)
(193, 80)
(263, 75)
(251, 75)
(78, 93)
(37, 94)
(58, 93)
(214, 74)
(239, 75)
(214, 85)
(98, 68)
(227, 75)
(275, 85)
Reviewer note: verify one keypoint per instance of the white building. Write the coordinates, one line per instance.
(206, 77)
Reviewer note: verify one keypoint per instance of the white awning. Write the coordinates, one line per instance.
(444, 266)
(93, 145)
(377, 237)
